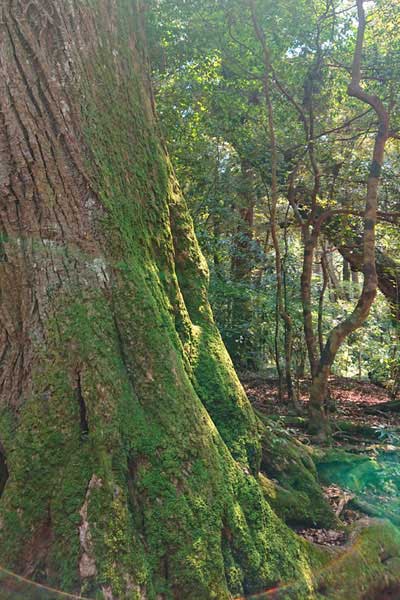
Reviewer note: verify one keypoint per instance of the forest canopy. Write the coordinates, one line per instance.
(276, 175)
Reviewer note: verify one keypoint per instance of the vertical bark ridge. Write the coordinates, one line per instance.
(101, 275)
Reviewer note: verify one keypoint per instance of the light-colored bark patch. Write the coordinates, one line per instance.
(87, 563)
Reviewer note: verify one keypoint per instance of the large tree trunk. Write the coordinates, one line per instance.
(128, 448)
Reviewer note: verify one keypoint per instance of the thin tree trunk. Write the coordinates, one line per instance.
(310, 230)
(277, 354)
(346, 279)
(241, 346)
(355, 283)
(336, 287)
(293, 396)
(318, 392)
(325, 279)
(388, 271)
(310, 245)
(283, 314)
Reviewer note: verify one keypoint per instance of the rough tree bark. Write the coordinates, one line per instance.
(129, 451)
(319, 387)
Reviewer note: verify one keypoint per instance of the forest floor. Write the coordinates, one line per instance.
(360, 469)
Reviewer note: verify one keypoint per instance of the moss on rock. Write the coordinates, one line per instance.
(295, 492)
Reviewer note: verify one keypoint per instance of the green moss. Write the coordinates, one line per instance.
(192, 486)
(171, 439)
(366, 568)
(213, 375)
(297, 496)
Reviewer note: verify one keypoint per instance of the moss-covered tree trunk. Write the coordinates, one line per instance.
(128, 447)
(129, 453)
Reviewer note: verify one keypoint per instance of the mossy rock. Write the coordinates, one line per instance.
(297, 496)
(367, 569)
